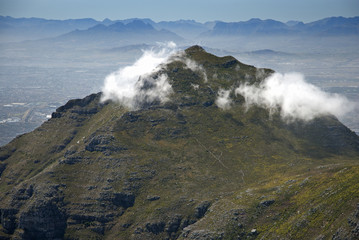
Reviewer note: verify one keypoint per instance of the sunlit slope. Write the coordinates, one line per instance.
(185, 169)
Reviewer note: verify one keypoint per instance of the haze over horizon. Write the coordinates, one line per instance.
(199, 10)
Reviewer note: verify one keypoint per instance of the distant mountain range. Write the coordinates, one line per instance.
(134, 32)
(20, 29)
(255, 26)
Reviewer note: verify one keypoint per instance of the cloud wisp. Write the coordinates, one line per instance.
(193, 66)
(135, 84)
(223, 100)
(294, 98)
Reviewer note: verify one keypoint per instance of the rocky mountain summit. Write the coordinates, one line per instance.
(185, 168)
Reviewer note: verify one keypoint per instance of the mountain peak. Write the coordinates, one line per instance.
(194, 49)
(139, 25)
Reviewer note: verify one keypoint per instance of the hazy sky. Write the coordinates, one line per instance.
(200, 10)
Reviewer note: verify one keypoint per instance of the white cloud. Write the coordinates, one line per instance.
(138, 84)
(223, 100)
(195, 67)
(150, 89)
(294, 98)
(133, 84)
(195, 86)
(192, 65)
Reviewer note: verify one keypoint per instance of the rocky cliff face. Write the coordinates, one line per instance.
(184, 169)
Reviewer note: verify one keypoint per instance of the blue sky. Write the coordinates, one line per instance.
(199, 10)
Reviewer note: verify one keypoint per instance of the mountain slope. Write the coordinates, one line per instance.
(184, 169)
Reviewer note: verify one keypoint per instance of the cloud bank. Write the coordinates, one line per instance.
(289, 94)
(294, 98)
(135, 84)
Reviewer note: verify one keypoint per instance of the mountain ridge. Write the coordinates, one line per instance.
(20, 29)
(332, 26)
(183, 169)
(132, 32)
